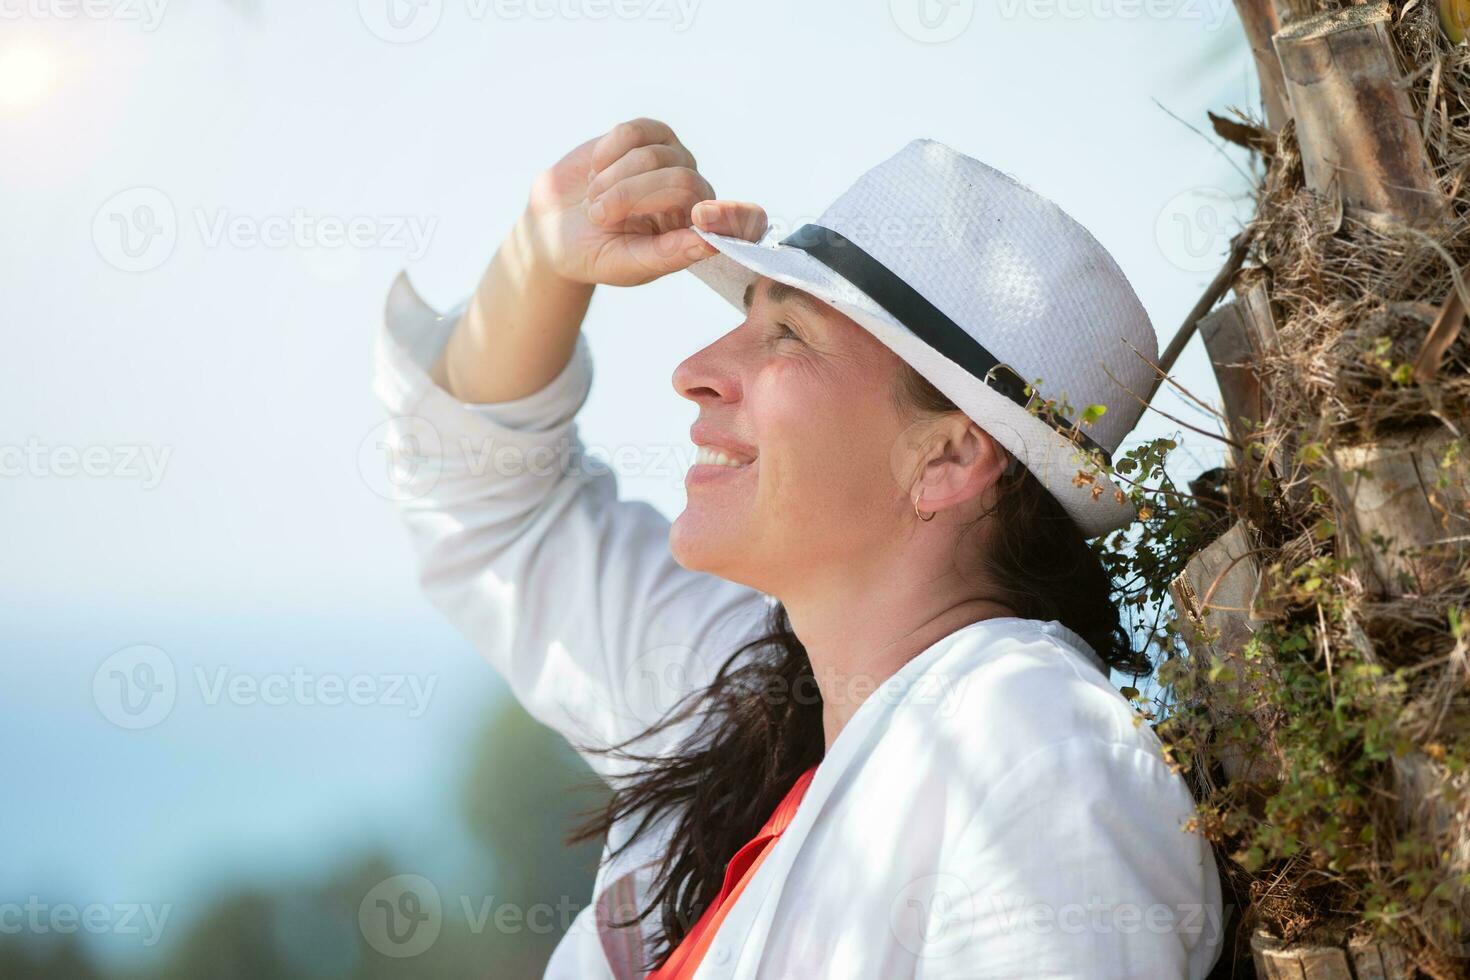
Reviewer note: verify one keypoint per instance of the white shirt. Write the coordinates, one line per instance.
(993, 809)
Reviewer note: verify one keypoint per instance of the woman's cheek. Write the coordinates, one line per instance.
(811, 472)
(809, 430)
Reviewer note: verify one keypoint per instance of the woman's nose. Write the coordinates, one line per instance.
(709, 374)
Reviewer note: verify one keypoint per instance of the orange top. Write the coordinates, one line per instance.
(685, 959)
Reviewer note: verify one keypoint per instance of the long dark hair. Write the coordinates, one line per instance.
(761, 717)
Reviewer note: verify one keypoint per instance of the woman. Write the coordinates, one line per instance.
(853, 704)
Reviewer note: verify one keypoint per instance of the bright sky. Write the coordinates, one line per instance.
(227, 148)
(184, 398)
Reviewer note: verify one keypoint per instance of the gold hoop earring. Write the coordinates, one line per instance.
(916, 509)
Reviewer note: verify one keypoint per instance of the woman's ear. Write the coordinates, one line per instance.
(964, 461)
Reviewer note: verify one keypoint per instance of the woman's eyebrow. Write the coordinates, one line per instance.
(779, 292)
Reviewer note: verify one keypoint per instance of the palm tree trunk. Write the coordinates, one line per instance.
(1341, 590)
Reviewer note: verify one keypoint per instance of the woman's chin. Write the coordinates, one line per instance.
(702, 542)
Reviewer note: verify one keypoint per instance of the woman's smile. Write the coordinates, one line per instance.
(711, 463)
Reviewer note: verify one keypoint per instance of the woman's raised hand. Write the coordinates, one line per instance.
(619, 208)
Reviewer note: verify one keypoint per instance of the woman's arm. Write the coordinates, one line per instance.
(519, 329)
(521, 539)
(1078, 865)
(615, 210)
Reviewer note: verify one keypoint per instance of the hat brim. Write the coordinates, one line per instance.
(1092, 501)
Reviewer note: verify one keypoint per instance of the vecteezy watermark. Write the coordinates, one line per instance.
(932, 21)
(308, 689)
(401, 458)
(135, 687)
(138, 686)
(401, 21)
(137, 230)
(1212, 13)
(148, 14)
(911, 231)
(1195, 225)
(659, 678)
(122, 462)
(404, 457)
(907, 231)
(664, 675)
(409, 21)
(402, 916)
(937, 915)
(410, 234)
(35, 917)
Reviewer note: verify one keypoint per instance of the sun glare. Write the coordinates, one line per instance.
(28, 74)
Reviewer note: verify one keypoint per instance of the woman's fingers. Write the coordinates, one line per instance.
(634, 133)
(656, 192)
(739, 219)
(641, 186)
(658, 255)
(640, 159)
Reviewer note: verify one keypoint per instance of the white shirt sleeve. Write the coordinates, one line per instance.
(1076, 865)
(522, 542)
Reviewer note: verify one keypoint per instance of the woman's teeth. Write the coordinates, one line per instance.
(704, 454)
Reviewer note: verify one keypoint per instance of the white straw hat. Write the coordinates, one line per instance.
(964, 272)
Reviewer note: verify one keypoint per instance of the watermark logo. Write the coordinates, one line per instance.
(145, 464)
(1211, 13)
(409, 21)
(136, 230)
(148, 14)
(311, 690)
(401, 458)
(1195, 226)
(136, 687)
(932, 21)
(656, 680)
(401, 21)
(35, 917)
(664, 678)
(929, 916)
(301, 229)
(936, 916)
(401, 916)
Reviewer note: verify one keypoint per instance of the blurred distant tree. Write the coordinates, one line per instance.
(60, 956)
(523, 790)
